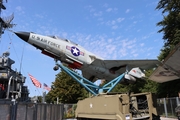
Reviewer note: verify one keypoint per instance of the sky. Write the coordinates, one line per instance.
(111, 29)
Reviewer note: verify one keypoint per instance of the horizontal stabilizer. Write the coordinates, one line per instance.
(170, 68)
(161, 75)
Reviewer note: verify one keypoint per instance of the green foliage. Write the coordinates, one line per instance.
(139, 86)
(164, 53)
(70, 113)
(39, 99)
(170, 25)
(150, 86)
(66, 89)
(169, 89)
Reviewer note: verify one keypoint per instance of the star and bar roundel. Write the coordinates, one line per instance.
(75, 51)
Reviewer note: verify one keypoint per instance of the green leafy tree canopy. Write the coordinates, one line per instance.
(170, 25)
(66, 89)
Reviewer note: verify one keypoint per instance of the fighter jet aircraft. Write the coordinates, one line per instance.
(92, 66)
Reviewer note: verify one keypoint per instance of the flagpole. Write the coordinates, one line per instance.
(43, 96)
(35, 95)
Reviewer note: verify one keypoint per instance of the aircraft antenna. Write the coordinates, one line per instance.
(5, 22)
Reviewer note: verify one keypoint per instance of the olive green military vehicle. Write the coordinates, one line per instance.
(114, 106)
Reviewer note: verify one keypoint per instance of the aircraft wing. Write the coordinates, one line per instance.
(118, 64)
(170, 69)
(115, 67)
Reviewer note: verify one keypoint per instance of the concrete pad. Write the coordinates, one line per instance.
(163, 118)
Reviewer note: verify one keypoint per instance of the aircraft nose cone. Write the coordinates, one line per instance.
(23, 35)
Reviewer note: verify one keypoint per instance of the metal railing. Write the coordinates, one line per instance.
(166, 106)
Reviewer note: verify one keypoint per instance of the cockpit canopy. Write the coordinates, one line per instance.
(58, 38)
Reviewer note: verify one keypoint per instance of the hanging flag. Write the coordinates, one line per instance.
(35, 81)
(46, 87)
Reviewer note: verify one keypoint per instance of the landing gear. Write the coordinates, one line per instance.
(56, 68)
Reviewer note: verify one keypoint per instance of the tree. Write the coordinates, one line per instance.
(169, 89)
(170, 25)
(39, 99)
(137, 87)
(140, 85)
(66, 89)
(150, 86)
(171, 30)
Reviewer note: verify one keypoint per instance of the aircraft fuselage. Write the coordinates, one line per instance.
(75, 56)
(61, 49)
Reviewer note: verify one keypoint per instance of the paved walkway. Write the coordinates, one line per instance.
(163, 118)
